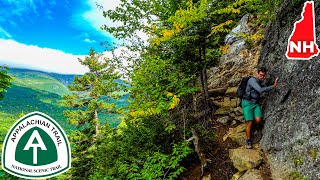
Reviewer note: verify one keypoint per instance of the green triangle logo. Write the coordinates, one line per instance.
(36, 147)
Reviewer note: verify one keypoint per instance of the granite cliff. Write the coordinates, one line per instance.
(291, 135)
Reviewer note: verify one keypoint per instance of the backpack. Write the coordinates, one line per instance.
(242, 87)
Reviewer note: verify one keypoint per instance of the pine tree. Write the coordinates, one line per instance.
(93, 93)
(5, 80)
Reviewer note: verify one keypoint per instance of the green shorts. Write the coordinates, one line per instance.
(250, 110)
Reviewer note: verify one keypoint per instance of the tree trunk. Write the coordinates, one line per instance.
(203, 92)
(206, 91)
(194, 101)
(184, 121)
(202, 80)
(96, 121)
(199, 151)
(205, 74)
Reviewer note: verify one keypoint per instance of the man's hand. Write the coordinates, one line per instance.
(275, 84)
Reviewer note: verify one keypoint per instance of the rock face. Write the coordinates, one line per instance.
(241, 28)
(237, 62)
(291, 135)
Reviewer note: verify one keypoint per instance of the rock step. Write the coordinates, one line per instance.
(237, 134)
(244, 159)
(251, 174)
(225, 110)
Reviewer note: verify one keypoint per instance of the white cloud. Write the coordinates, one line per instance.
(121, 53)
(18, 55)
(89, 40)
(96, 20)
(15, 54)
(95, 17)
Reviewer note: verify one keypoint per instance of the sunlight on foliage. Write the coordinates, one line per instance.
(220, 28)
(225, 49)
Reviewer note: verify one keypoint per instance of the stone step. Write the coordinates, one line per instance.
(217, 92)
(251, 174)
(244, 159)
(232, 92)
(237, 134)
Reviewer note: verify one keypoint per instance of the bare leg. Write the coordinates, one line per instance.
(258, 120)
(248, 129)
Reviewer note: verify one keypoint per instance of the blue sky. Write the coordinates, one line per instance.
(51, 30)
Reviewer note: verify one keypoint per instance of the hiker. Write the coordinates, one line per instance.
(250, 101)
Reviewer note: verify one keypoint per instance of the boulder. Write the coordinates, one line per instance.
(226, 102)
(207, 177)
(241, 28)
(239, 138)
(226, 99)
(232, 92)
(218, 98)
(235, 49)
(234, 82)
(244, 159)
(217, 103)
(224, 120)
(234, 102)
(212, 72)
(237, 134)
(238, 175)
(214, 83)
(239, 118)
(238, 111)
(232, 115)
(224, 110)
(252, 174)
(217, 92)
(241, 128)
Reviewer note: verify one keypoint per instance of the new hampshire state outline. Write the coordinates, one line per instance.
(302, 41)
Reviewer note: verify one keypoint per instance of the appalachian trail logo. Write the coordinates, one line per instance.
(36, 147)
(302, 42)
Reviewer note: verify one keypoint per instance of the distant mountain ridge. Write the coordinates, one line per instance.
(65, 79)
(42, 91)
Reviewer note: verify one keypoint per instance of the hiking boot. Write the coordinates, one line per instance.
(249, 144)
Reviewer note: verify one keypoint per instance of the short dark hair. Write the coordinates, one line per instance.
(262, 69)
